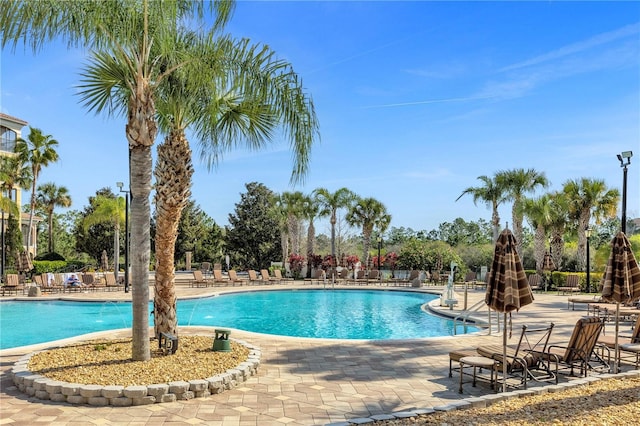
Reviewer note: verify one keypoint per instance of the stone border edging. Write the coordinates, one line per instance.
(44, 388)
(485, 400)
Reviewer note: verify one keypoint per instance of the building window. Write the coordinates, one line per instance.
(7, 139)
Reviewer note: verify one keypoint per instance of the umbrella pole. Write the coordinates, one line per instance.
(615, 357)
(504, 353)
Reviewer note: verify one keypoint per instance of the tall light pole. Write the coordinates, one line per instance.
(587, 233)
(120, 185)
(625, 160)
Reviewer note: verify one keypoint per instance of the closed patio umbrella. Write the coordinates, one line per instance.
(548, 266)
(104, 261)
(24, 263)
(621, 281)
(507, 286)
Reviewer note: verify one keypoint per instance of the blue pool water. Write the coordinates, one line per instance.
(339, 314)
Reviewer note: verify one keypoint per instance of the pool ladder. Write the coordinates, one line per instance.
(466, 314)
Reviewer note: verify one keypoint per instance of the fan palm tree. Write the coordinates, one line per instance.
(368, 213)
(38, 151)
(492, 194)
(517, 183)
(239, 97)
(589, 197)
(140, 35)
(330, 202)
(49, 197)
(108, 210)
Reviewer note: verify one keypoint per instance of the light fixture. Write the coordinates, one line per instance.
(625, 155)
(120, 185)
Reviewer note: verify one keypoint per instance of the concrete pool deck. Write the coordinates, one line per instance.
(303, 381)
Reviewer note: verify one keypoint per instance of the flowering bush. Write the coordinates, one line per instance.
(328, 262)
(377, 262)
(352, 260)
(391, 260)
(315, 260)
(296, 262)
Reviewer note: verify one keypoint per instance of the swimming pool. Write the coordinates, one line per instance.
(333, 314)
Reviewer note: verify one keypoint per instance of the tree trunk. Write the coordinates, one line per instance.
(141, 132)
(495, 219)
(32, 209)
(50, 222)
(173, 182)
(517, 225)
(333, 233)
(539, 248)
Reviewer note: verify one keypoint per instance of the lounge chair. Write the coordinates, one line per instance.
(278, 274)
(110, 281)
(414, 274)
(360, 277)
(253, 277)
(572, 285)
(317, 278)
(218, 278)
(535, 283)
(374, 277)
(610, 340)
(11, 285)
(42, 281)
(266, 278)
(580, 352)
(234, 279)
(525, 361)
(198, 280)
(205, 267)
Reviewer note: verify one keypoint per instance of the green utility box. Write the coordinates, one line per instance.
(221, 341)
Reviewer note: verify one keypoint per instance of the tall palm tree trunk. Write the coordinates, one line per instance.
(539, 249)
(173, 182)
(495, 220)
(333, 234)
(517, 218)
(50, 233)
(141, 132)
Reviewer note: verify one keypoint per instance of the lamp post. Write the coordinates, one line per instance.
(120, 185)
(625, 160)
(379, 249)
(587, 233)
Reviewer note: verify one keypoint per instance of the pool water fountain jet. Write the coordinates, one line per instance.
(106, 305)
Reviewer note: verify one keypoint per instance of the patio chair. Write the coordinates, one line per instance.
(317, 277)
(218, 278)
(535, 283)
(572, 285)
(374, 277)
(198, 279)
(234, 279)
(266, 278)
(610, 340)
(278, 274)
(253, 277)
(580, 351)
(11, 284)
(359, 278)
(110, 281)
(525, 361)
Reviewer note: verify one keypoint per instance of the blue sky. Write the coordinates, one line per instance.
(415, 101)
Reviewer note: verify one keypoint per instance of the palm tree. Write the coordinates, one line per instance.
(589, 197)
(368, 213)
(108, 210)
(493, 194)
(140, 36)
(517, 183)
(37, 151)
(48, 198)
(330, 202)
(240, 102)
(539, 213)
(310, 210)
(293, 203)
(14, 173)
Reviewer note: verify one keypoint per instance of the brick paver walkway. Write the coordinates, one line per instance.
(302, 381)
